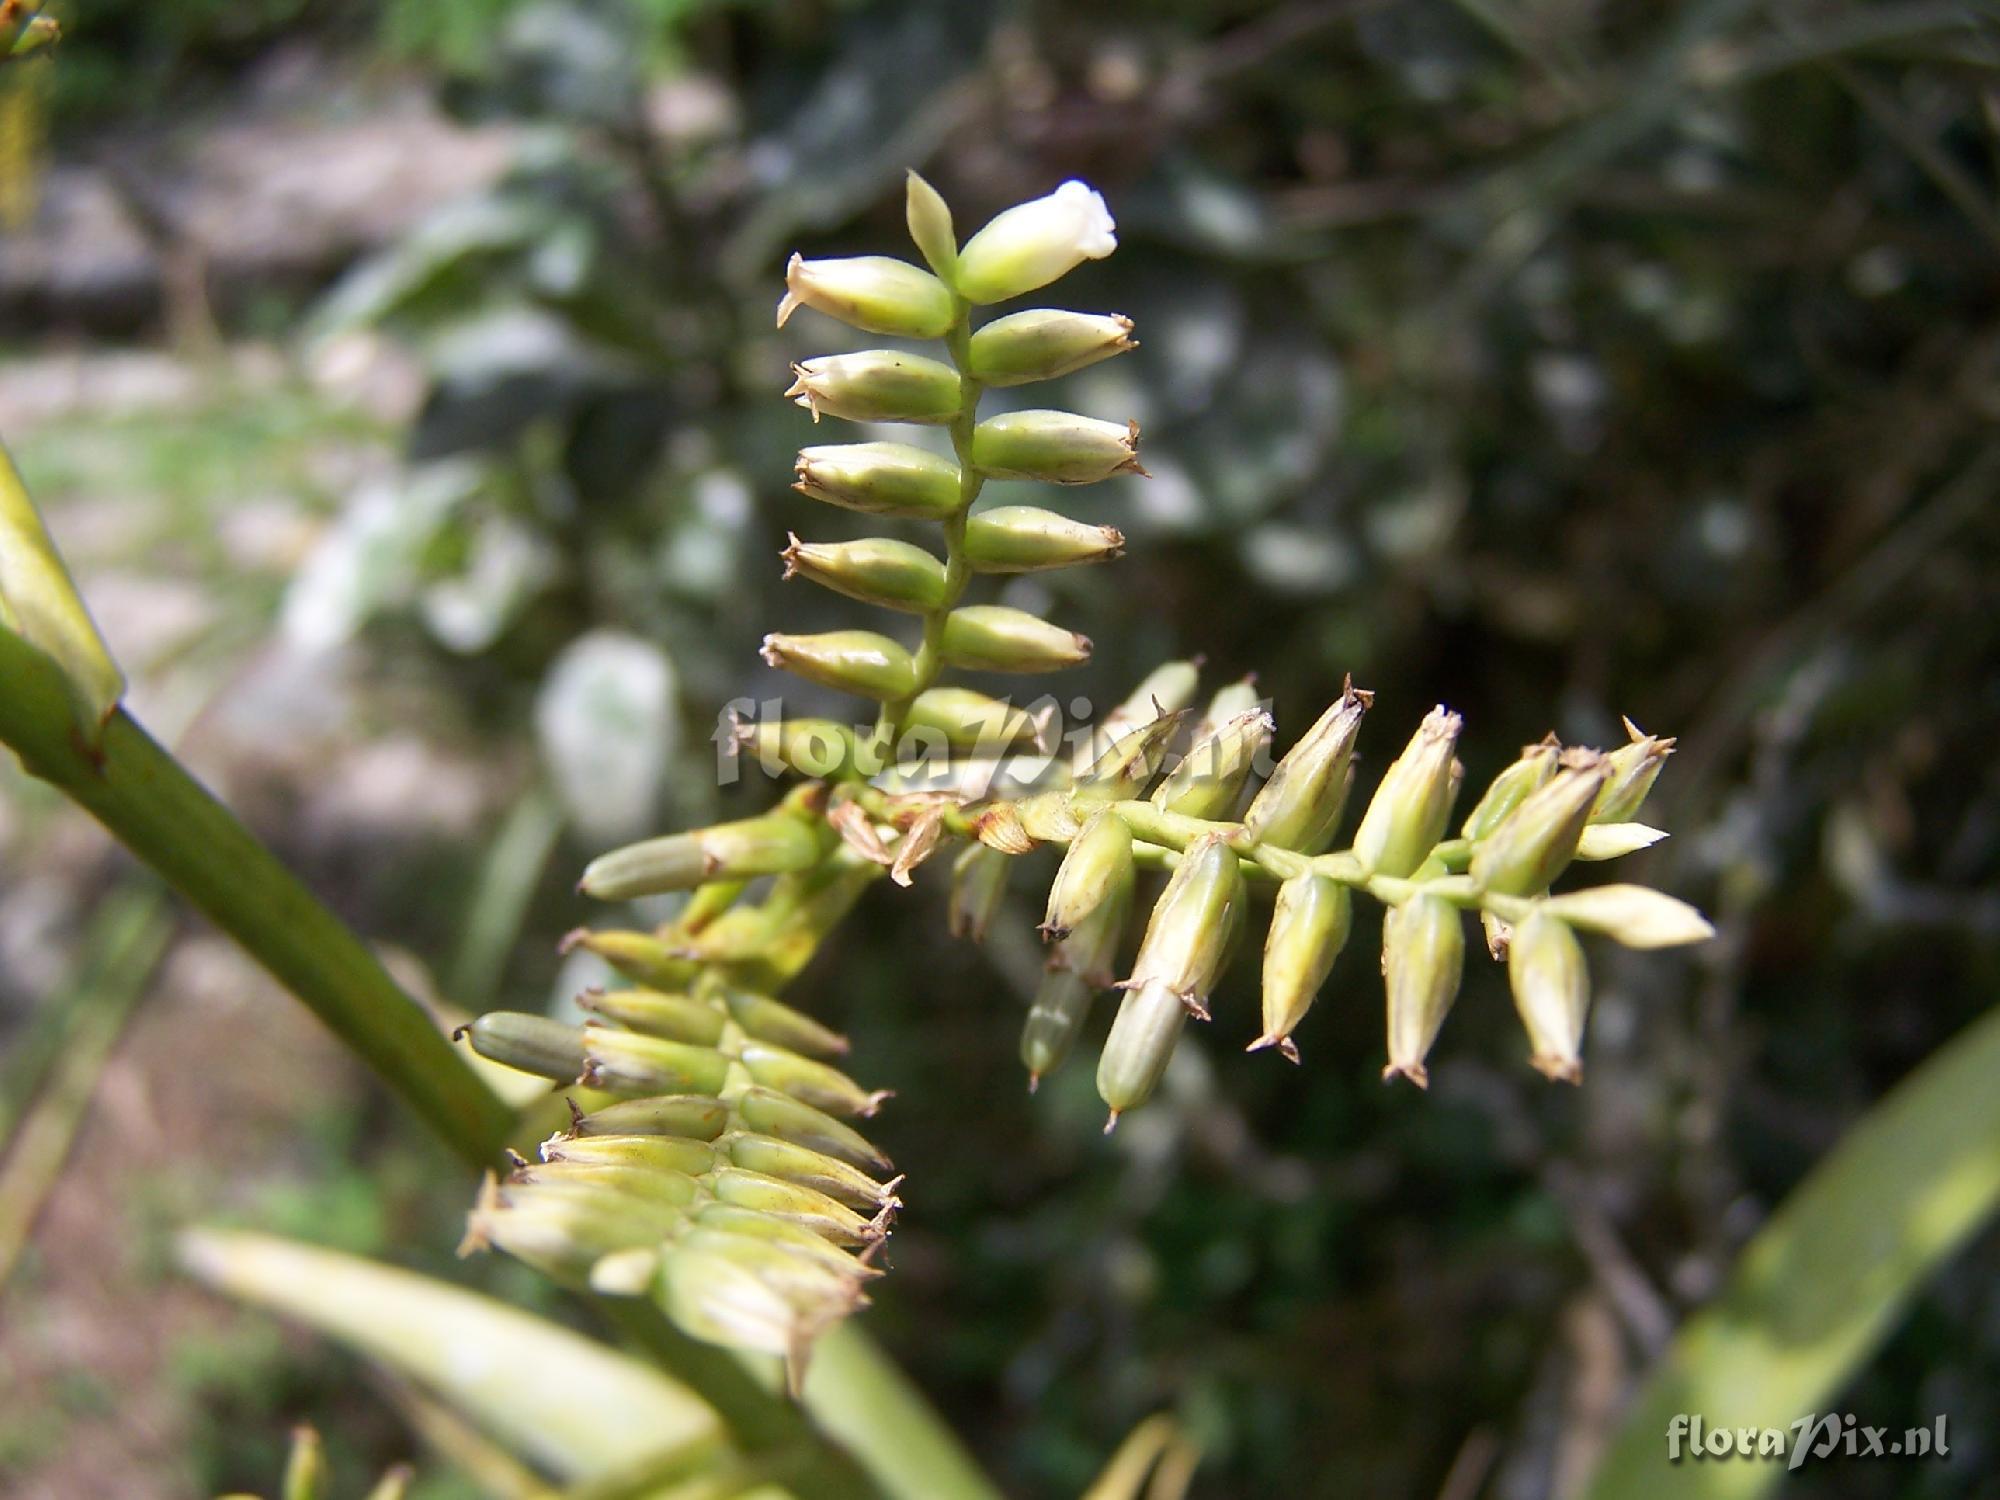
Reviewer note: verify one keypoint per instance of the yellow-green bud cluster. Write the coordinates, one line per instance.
(1026, 247)
(725, 1183)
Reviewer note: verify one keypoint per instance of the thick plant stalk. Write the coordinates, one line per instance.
(138, 791)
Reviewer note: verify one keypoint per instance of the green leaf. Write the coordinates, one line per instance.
(1822, 1284)
(573, 1406)
(39, 602)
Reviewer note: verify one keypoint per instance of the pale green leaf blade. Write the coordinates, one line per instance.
(567, 1403)
(1824, 1282)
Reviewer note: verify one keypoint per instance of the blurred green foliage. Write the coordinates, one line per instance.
(1556, 360)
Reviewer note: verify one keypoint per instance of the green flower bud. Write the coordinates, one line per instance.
(1058, 447)
(694, 1116)
(929, 218)
(1551, 985)
(807, 1168)
(877, 385)
(1028, 539)
(1633, 915)
(1423, 960)
(822, 749)
(750, 1224)
(880, 479)
(1411, 806)
(649, 1153)
(1210, 779)
(1634, 769)
(307, 1476)
(1128, 766)
(994, 638)
(533, 1044)
(640, 1184)
(1193, 924)
(875, 570)
(774, 1021)
(1536, 765)
(856, 661)
(1055, 1020)
(770, 845)
(1165, 690)
(772, 1113)
(1141, 1044)
(1097, 864)
(1044, 343)
(1034, 243)
(870, 292)
(978, 884)
(1091, 949)
(623, 1062)
(814, 1083)
(827, 1217)
(675, 1017)
(1229, 702)
(638, 956)
(970, 720)
(711, 1297)
(563, 1231)
(1535, 843)
(810, 1281)
(1299, 807)
(1309, 927)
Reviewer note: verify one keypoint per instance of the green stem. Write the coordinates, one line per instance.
(957, 565)
(141, 794)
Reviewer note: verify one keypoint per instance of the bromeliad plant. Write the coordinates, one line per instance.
(710, 1162)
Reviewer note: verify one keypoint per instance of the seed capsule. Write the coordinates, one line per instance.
(805, 1279)
(1551, 984)
(1193, 924)
(769, 845)
(750, 1224)
(562, 1231)
(881, 479)
(1097, 864)
(877, 385)
(1033, 243)
(875, 570)
(994, 638)
(697, 1117)
(822, 749)
(1299, 807)
(638, 956)
(1535, 843)
(774, 1021)
(978, 885)
(1411, 806)
(1309, 927)
(815, 1083)
(1044, 343)
(1634, 769)
(1129, 764)
(856, 661)
(533, 1044)
(1055, 1020)
(929, 218)
(1091, 949)
(650, 1153)
(1423, 960)
(1028, 539)
(641, 1184)
(1536, 765)
(711, 1297)
(624, 1062)
(1058, 447)
(1633, 915)
(807, 1168)
(1230, 701)
(871, 292)
(1210, 779)
(808, 1207)
(1141, 1044)
(675, 1017)
(772, 1113)
(973, 721)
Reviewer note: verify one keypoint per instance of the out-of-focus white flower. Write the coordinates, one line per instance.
(1031, 244)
